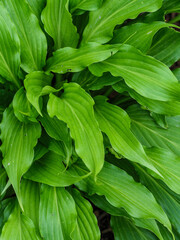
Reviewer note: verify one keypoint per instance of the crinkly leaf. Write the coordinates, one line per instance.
(146, 75)
(9, 48)
(115, 122)
(18, 140)
(57, 213)
(75, 107)
(114, 12)
(32, 39)
(58, 24)
(75, 60)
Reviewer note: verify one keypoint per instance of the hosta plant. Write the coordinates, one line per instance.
(90, 116)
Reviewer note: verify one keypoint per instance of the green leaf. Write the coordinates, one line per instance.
(23, 110)
(87, 227)
(51, 170)
(166, 46)
(9, 48)
(150, 134)
(57, 213)
(3, 178)
(75, 107)
(38, 84)
(116, 124)
(18, 141)
(171, 108)
(112, 13)
(87, 5)
(147, 76)
(58, 24)
(30, 193)
(32, 39)
(139, 35)
(168, 202)
(124, 229)
(75, 60)
(37, 6)
(18, 227)
(168, 165)
(121, 190)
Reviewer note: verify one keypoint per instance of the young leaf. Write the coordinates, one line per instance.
(116, 124)
(32, 39)
(18, 140)
(75, 60)
(87, 5)
(9, 48)
(75, 107)
(87, 227)
(57, 213)
(112, 13)
(19, 227)
(58, 24)
(144, 74)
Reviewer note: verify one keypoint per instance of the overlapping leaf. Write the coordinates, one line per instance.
(75, 107)
(32, 39)
(37, 6)
(87, 5)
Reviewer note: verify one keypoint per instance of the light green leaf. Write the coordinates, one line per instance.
(37, 7)
(121, 190)
(38, 84)
(58, 24)
(32, 39)
(57, 214)
(168, 202)
(75, 60)
(171, 108)
(124, 229)
(144, 74)
(30, 193)
(3, 178)
(114, 12)
(166, 46)
(9, 48)
(18, 140)
(18, 227)
(87, 227)
(150, 134)
(75, 107)
(168, 165)
(115, 122)
(87, 5)
(23, 110)
(177, 73)
(139, 35)
(51, 170)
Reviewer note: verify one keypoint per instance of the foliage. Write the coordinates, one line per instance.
(89, 112)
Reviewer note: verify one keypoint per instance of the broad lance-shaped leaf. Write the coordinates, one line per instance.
(37, 6)
(32, 39)
(38, 84)
(113, 12)
(58, 24)
(87, 5)
(50, 170)
(146, 75)
(87, 227)
(115, 122)
(75, 107)
(138, 35)
(19, 227)
(30, 193)
(166, 46)
(18, 140)
(75, 60)
(124, 229)
(168, 165)
(121, 190)
(57, 213)
(150, 134)
(171, 108)
(9, 48)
